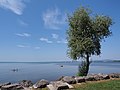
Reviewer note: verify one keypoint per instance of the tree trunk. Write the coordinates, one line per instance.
(87, 64)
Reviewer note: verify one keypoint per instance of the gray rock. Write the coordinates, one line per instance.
(12, 87)
(101, 76)
(59, 85)
(3, 84)
(69, 80)
(80, 79)
(98, 77)
(26, 83)
(106, 76)
(60, 78)
(90, 78)
(41, 84)
(114, 75)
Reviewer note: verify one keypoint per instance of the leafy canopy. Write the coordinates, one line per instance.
(86, 32)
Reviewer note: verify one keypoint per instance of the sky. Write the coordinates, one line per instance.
(35, 30)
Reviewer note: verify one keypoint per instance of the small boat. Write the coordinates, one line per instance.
(14, 70)
(61, 66)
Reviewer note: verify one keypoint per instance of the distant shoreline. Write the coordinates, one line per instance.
(59, 61)
(116, 60)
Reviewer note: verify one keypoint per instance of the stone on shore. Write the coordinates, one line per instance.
(106, 76)
(68, 79)
(4, 84)
(114, 75)
(57, 85)
(60, 78)
(26, 83)
(97, 77)
(80, 79)
(12, 87)
(90, 78)
(41, 84)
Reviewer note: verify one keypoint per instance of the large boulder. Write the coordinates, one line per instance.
(4, 84)
(12, 87)
(114, 75)
(26, 83)
(58, 85)
(60, 78)
(41, 84)
(97, 77)
(80, 79)
(68, 79)
(106, 76)
(90, 78)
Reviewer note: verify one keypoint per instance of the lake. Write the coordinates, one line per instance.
(35, 71)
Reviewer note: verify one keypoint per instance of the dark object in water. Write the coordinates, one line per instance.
(61, 66)
(15, 70)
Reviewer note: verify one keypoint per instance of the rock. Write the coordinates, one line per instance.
(26, 83)
(41, 84)
(3, 84)
(80, 79)
(114, 75)
(69, 80)
(98, 77)
(106, 76)
(19, 88)
(101, 76)
(90, 78)
(12, 87)
(58, 85)
(60, 78)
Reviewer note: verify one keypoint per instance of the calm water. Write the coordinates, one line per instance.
(50, 70)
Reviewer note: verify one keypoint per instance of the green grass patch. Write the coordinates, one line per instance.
(107, 85)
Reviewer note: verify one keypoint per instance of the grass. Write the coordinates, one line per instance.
(41, 89)
(102, 85)
(95, 85)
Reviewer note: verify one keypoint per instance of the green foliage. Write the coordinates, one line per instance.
(82, 69)
(86, 32)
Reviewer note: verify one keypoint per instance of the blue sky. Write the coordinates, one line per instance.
(35, 30)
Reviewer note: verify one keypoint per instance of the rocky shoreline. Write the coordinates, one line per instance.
(63, 82)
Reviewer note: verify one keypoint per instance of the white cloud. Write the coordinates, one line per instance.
(26, 46)
(21, 22)
(64, 41)
(55, 36)
(15, 6)
(45, 40)
(37, 47)
(53, 19)
(23, 46)
(23, 34)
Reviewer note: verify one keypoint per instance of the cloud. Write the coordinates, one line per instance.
(53, 19)
(64, 41)
(26, 46)
(23, 46)
(45, 40)
(55, 36)
(16, 6)
(21, 22)
(37, 47)
(23, 34)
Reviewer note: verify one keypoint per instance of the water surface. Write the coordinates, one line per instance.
(49, 70)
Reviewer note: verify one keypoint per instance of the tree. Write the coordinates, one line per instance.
(85, 34)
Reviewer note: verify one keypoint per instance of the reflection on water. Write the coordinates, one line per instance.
(49, 70)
